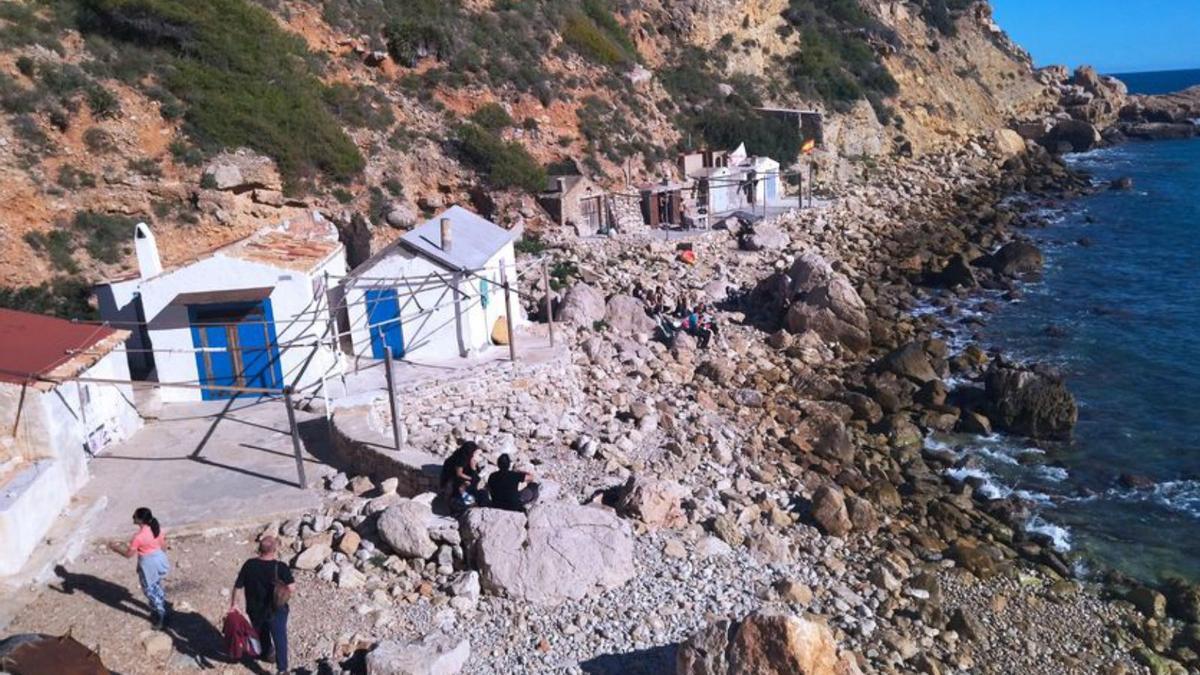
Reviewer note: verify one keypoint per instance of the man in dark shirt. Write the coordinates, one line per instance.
(257, 580)
(504, 486)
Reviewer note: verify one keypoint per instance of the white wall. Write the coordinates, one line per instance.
(436, 327)
(300, 313)
(49, 446)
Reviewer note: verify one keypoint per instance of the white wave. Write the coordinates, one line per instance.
(1056, 474)
(1181, 496)
(989, 489)
(1059, 536)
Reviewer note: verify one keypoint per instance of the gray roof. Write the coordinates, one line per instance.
(473, 239)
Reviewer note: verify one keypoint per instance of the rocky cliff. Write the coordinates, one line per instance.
(115, 112)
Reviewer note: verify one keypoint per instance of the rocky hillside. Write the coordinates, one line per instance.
(378, 112)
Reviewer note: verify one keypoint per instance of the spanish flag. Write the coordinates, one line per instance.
(809, 146)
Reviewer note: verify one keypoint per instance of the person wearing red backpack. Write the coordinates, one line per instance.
(267, 586)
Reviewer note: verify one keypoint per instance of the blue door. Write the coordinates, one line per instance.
(772, 189)
(383, 322)
(235, 346)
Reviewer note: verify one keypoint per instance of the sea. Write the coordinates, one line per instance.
(1117, 310)
(1159, 81)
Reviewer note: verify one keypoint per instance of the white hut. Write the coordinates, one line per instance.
(435, 293)
(255, 313)
(61, 402)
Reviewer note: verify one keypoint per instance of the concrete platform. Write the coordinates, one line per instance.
(211, 464)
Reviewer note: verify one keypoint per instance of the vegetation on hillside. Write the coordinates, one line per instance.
(243, 80)
(504, 164)
(836, 62)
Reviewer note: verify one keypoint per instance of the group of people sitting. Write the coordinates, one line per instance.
(461, 477)
(699, 322)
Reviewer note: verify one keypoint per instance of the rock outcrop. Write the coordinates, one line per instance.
(558, 551)
(241, 171)
(1030, 402)
(812, 296)
(1016, 257)
(764, 643)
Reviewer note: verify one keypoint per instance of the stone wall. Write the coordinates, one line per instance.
(625, 212)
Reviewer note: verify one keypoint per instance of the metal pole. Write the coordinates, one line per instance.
(549, 303)
(391, 387)
(287, 401)
(512, 337)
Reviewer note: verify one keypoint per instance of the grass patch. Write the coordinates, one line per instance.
(105, 236)
(595, 34)
(244, 80)
(58, 246)
(493, 117)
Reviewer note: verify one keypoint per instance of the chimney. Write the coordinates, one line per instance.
(447, 241)
(146, 248)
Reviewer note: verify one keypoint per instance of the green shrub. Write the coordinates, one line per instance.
(394, 187)
(98, 140)
(25, 65)
(342, 195)
(504, 164)
(26, 128)
(66, 297)
(106, 236)
(71, 178)
(245, 81)
(104, 103)
(362, 107)
(185, 153)
(492, 116)
(147, 166)
(530, 244)
(59, 247)
(583, 34)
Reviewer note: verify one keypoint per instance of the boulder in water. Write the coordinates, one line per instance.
(1016, 257)
(1030, 402)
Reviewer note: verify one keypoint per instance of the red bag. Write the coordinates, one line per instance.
(241, 640)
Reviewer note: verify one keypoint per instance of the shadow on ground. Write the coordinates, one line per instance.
(652, 661)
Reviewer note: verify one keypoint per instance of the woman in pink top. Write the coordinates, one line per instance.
(152, 565)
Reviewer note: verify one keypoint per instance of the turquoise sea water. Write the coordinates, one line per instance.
(1118, 309)
(1160, 82)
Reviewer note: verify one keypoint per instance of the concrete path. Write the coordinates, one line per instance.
(212, 464)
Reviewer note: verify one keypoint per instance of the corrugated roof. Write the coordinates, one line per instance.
(38, 346)
(474, 239)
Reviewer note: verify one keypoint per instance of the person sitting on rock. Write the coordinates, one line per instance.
(460, 475)
(504, 487)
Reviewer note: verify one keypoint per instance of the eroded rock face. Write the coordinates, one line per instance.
(764, 643)
(815, 297)
(558, 551)
(581, 306)
(1029, 402)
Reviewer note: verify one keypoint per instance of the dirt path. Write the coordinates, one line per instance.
(98, 601)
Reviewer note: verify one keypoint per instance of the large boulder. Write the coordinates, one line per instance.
(626, 315)
(404, 527)
(434, 654)
(910, 361)
(764, 643)
(241, 171)
(1008, 142)
(1016, 257)
(559, 551)
(829, 511)
(582, 306)
(815, 297)
(1030, 402)
(764, 237)
(657, 503)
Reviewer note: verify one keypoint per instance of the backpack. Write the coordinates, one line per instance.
(280, 593)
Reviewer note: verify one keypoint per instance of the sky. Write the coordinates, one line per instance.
(1115, 36)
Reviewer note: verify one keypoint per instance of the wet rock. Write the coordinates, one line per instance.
(1148, 601)
(1071, 136)
(1016, 257)
(1029, 402)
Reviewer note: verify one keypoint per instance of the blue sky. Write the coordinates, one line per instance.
(1116, 36)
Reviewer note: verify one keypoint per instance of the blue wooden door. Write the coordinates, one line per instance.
(383, 322)
(772, 189)
(235, 346)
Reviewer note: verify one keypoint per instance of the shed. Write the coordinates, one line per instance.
(576, 201)
(52, 419)
(254, 313)
(662, 203)
(434, 293)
